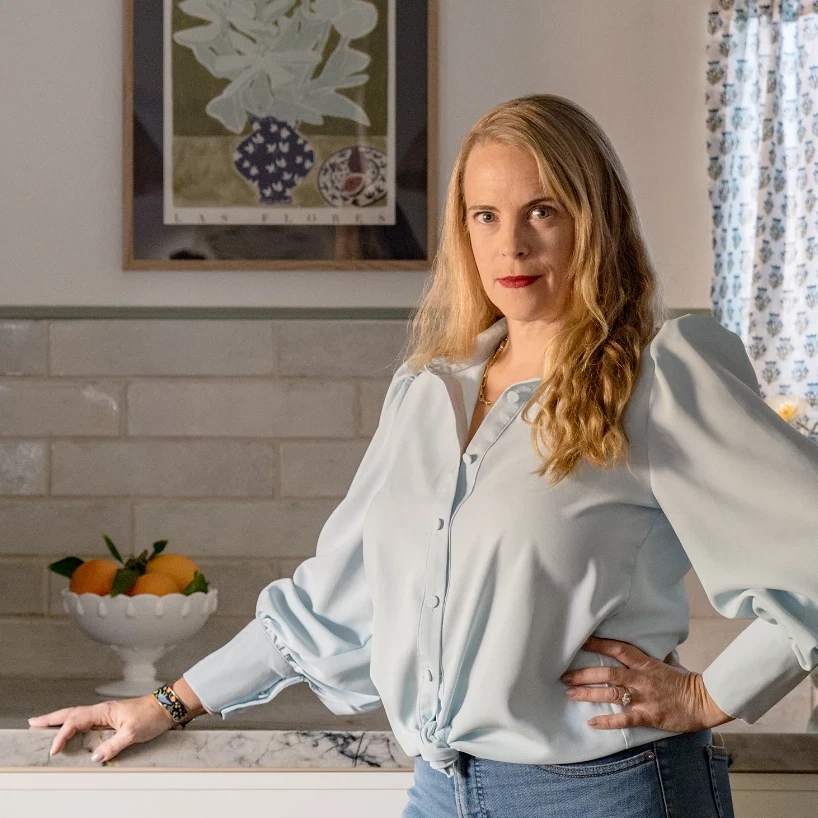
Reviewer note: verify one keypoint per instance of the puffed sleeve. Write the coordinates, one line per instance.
(316, 626)
(739, 486)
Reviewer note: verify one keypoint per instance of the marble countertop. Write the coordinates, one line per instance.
(282, 738)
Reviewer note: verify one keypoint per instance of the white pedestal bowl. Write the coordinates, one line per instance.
(140, 629)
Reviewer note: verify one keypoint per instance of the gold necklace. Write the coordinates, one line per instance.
(482, 396)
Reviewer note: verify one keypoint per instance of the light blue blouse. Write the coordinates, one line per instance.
(453, 586)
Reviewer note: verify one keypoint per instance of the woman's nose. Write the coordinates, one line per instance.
(513, 242)
(516, 249)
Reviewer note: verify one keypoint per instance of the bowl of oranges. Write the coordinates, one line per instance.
(140, 607)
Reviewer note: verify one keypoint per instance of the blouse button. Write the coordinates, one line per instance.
(513, 397)
(429, 676)
(470, 457)
(434, 601)
(439, 524)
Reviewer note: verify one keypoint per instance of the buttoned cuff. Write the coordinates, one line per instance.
(754, 672)
(247, 671)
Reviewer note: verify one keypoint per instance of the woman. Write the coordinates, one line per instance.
(546, 468)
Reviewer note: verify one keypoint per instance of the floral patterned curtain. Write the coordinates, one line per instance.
(762, 120)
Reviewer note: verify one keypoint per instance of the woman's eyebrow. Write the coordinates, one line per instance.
(527, 204)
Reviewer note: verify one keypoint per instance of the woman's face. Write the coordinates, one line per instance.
(517, 230)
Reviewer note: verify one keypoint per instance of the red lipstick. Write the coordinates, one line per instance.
(517, 281)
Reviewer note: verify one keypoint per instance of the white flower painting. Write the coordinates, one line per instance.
(279, 111)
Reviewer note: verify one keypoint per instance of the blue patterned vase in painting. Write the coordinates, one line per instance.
(274, 158)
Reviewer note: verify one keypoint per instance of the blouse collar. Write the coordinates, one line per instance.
(485, 345)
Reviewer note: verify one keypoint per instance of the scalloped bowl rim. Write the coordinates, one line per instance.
(140, 620)
(66, 591)
(152, 605)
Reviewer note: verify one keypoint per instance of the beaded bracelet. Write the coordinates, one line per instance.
(172, 705)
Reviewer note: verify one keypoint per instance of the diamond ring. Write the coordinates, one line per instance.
(626, 698)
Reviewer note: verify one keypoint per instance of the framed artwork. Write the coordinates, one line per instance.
(279, 134)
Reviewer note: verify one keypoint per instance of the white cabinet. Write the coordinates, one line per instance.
(39, 793)
(775, 795)
(205, 794)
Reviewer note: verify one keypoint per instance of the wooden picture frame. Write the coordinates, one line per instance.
(148, 243)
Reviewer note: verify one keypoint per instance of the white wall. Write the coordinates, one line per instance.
(637, 65)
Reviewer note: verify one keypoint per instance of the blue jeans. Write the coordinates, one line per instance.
(683, 776)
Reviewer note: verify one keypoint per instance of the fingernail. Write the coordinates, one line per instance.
(566, 677)
(571, 691)
(97, 756)
(51, 750)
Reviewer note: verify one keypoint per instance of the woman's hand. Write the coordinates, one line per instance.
(135, 720)
(663, 694)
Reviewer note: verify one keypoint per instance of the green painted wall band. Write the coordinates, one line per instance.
(57, 313)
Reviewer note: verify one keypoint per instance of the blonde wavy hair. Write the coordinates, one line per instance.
(615, 303)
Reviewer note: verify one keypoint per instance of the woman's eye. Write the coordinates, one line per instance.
(479, 216)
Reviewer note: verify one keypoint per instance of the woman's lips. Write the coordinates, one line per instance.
(517, 281)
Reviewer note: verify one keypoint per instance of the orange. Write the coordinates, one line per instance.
(93, 577)
(157, 584)
(179, 568)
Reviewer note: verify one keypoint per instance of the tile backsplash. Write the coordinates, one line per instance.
(234, 439)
